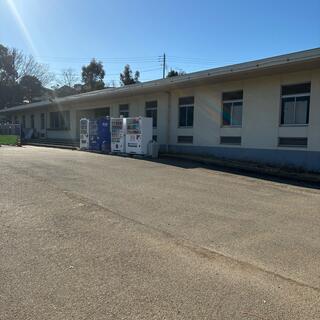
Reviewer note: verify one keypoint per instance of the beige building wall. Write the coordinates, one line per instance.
(260, 118)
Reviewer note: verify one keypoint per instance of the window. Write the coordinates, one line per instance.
(42, 121)
(186, 106)
(293, 142)
(124, 110)
(185, 139)
(230, 140)
(151, 111)
(60, 120)
(102, 112)
(16, 120)
(24, 121)
(295, 104)
(32, 121)
(232, 108)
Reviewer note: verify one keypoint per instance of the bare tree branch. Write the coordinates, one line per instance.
(28, 66)
(69, 78)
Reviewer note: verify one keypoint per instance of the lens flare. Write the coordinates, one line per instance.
(22, 27)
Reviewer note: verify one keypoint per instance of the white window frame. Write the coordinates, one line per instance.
(231, 117)
(127, 110)
(44, 121)
(295, 96)
(185, 106)
(153, 108)
(32, 121)
(63, 122)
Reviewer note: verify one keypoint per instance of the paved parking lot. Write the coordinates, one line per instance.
(88, 236)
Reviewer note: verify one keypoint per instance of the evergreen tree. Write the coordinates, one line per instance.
(126, 77)
(92, 76)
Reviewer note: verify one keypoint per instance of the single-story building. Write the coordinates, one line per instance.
(265, 110)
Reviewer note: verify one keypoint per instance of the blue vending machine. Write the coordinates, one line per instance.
(94, 144)
(104, 134)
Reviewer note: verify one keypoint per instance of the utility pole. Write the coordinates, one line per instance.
(164, 66)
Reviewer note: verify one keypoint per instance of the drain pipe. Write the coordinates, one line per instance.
(168, 121)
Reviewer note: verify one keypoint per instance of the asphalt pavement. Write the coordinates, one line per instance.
(89, 236)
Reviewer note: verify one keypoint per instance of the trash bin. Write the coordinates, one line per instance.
(153, 149)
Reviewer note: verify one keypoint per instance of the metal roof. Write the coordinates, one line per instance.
(273, 64)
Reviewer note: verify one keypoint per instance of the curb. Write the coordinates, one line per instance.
(249, 167)
(57, 146)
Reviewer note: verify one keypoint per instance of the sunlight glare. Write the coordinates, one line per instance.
(22, 26)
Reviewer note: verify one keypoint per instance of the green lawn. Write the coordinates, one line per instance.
(8, 139)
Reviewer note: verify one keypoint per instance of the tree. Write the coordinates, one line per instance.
(31, 87)
(69, 78)
(66, 84)
(112, 84)
(126, 77)
(174, 73)
(92, 76)
(28, 66)
(10, 93)
(8, 73)
(64, 91)
(15, 66)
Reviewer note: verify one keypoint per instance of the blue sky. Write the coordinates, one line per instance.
(195, 35)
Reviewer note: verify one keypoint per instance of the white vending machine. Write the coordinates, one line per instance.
(139, 135)
(84, 134)
(118, 134)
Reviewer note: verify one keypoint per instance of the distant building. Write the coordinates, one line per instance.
(266, 110)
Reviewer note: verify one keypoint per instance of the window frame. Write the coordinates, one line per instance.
(225, 143)
(232, 101)
(295, 96)
(32, 122)
(65, 115)
(23, 120)
(128, 110)
(288, 145)
(186, 106)
(152, 108)
(42, 121)
(102, 112)
(184, 136)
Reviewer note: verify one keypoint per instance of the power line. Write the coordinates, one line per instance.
(111, 60)
(89, 57)
(140, 60)
(118, 73)
(155, 63)
(118, 60)
(133, 59)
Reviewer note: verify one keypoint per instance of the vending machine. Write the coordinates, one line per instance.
(118, 135)
(94, 143)
(84, 134)
(139, 135)
(104, 134)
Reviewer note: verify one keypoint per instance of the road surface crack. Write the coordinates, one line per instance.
(196, 248)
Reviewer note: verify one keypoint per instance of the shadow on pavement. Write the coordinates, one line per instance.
(188, 164)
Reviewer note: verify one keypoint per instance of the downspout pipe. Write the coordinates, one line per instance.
(168, 121)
